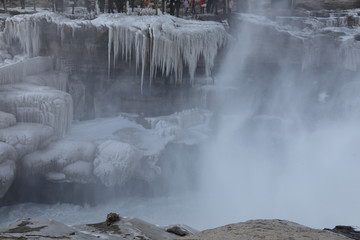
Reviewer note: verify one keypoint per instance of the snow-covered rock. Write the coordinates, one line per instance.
(265, 229)
(44, 229)
(27, 137)
(6, 119)
(38, 104)
(71, 160)
(7, 175)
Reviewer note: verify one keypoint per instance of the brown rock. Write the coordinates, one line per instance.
(111, 218)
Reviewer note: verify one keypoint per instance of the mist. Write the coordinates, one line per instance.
(286, 136)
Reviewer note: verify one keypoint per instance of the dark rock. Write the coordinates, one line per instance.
(178, 230)
(347, 231)
(111, 218)
(357, 37)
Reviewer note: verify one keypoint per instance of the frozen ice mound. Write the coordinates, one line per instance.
(27, 137)
(72, 159)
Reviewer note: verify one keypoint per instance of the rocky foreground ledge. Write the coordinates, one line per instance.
(122, 228)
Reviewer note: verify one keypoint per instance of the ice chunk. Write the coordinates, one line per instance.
(27, 137)
(7, 175)
(116, 162)
(6, 120)
(64, 156)
(38, 104)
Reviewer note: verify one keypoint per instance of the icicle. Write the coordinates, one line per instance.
(110, 39)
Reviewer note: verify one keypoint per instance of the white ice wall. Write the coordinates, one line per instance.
(162, 43)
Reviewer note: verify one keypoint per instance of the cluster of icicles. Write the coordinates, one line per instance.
(162, 44)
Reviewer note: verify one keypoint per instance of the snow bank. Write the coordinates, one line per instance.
(72, 159)
(6, 120)
(15, 71)
(27, 137)
(163, 42)
(30, 103)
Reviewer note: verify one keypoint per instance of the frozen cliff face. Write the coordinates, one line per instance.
(38, 104)
(160, 44)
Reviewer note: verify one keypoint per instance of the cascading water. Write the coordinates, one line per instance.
(286, 138)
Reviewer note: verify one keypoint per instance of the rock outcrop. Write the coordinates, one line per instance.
(124, 228)
(265, 229)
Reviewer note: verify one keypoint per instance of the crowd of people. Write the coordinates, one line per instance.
(174, 7)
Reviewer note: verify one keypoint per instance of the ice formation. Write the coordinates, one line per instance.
(115, 162)
(162, 43)
(8, 157)
(27, 137)
(15, 71)
(55, 79)
(7, 175)
(73, 159)
(6, 120)
(179, 126)
(38, 104)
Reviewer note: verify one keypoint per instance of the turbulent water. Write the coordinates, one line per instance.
(284, 145)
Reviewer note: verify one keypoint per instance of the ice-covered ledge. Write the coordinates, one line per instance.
(162, 43)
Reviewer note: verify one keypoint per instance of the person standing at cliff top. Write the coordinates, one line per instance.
(110, 6)
(186, 6)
